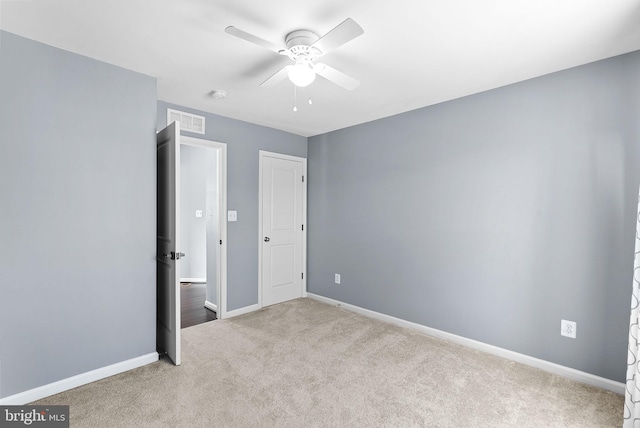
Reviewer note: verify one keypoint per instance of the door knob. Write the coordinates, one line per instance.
(266, 239)
(174, 256)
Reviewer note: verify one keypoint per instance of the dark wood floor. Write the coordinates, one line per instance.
(192, 310)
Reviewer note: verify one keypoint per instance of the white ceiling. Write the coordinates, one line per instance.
(413, 53)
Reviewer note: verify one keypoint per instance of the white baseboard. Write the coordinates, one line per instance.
(242, 311)
(196, 280)
(580, 376)
(40, 392)
(211, 306)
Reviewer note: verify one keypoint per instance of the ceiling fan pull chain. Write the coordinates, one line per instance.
(295, 98)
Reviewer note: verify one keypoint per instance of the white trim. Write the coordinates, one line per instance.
(40, 392)
(262, 154)
(221, 290)
(304, 230)
(211, 306)
(196, 280)
(282, 156)
(260, 235)
(242, 311)
(568, 372)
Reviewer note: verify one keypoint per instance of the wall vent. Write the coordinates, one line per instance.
(188, 122)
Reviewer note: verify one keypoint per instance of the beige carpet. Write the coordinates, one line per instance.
(307, 364)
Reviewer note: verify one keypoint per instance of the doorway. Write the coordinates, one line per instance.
(202, 229)
(199, 231)
(169, 253)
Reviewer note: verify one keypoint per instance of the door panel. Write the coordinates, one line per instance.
(282, 219)
(167, 242)
(282, 265)
(283, 199)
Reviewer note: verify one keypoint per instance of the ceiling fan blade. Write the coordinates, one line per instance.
(278, 77)
(337, 77)
(253, 39)
(345, 31)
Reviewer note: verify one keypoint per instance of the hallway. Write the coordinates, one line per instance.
(192, 310)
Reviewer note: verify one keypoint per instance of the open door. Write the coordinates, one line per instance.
(167, 242)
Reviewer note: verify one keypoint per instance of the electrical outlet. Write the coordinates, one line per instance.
(568, 328)
(337, 278)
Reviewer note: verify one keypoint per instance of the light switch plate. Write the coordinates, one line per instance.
(232, 216)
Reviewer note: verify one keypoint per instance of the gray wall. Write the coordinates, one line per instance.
(77, 210)
(493, 216)
(244, 140)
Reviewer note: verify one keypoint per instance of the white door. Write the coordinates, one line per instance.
(167, 242)
(282, 205)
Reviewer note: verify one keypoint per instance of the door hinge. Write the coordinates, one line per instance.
(303, 178)
(303, 227)
(302, 275)
(221, 242)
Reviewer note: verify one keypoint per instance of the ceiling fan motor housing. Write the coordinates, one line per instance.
(299, 46)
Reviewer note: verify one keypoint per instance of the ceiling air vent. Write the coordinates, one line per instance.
(188, 122)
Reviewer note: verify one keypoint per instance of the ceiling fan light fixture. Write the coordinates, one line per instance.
(302, 75)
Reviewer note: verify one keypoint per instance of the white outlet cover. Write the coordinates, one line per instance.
(232, 216)
(198, 213)
(337, 278)
(568, 328)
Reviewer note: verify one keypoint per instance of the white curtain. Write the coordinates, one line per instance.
(632, 393)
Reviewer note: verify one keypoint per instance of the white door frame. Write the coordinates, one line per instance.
(221, 289)
(264, 154)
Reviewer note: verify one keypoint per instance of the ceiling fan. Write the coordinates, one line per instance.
(304, 47)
